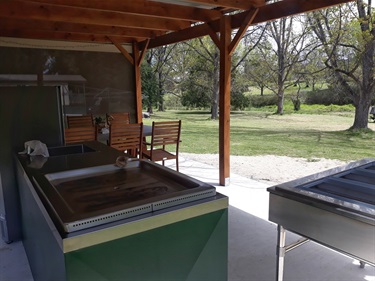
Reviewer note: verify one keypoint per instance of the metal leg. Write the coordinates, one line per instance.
(280, 252)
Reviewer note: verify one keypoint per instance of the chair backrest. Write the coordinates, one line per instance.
(79, 134)
(80, 121)
(118, 117)
(165, 133)
(127, 137)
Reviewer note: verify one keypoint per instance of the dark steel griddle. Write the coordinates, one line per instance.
(335, 208)
(88, 197)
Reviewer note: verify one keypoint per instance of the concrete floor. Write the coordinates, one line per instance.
(252, 240)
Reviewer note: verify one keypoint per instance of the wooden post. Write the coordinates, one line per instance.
(138, 82)
(224, 102)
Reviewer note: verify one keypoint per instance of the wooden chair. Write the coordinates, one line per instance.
(164, 134)
(119, 117)
(127, 138)
(79, 134)
(80, 121)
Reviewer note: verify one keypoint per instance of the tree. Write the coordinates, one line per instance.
(289, 46)
(207, 55)
(160, 61)
(207, 66)
(259, 75)
(150, 88)
(348, 38)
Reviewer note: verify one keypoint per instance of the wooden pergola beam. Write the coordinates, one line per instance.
(265, 13)
(64, 36)
(36, 11)
(141, 7)
(79, 28)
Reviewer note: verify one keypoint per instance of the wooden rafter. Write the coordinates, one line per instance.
(140, 7)
(234, 4)
(36, 11)
(67, 27)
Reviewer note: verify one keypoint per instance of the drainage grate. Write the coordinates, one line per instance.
(159, 205)
(95, 221)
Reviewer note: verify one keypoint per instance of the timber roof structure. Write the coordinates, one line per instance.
(149, 24)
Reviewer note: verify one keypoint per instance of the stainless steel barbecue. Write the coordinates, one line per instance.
(88, 197)
(335, 208)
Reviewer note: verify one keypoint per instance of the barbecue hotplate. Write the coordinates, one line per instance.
(347, 186)
(92, 196)
(357, 184)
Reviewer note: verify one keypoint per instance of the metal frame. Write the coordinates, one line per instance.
(282, 249)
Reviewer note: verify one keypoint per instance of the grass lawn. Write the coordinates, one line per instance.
(262, 133)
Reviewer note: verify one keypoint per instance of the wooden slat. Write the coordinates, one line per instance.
(164, 133)
(80, 121)
(79, 134)
(126, 137)
(118, 117)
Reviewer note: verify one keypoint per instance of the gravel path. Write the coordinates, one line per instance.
(269, 169)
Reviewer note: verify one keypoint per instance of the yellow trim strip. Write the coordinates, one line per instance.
(109, 234)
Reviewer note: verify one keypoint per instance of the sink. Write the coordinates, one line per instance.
(92, 196)
(69, 149)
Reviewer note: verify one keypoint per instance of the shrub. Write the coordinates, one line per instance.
(239, 101)
(265, 100)
(327, 97)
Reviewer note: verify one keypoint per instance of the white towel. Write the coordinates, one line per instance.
(35, 147)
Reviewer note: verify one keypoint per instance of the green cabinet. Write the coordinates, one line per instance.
(186, 242)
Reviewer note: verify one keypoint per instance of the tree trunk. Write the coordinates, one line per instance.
(361, 114)
(215, 94)
(362, 101)
(280, 86)
(280, 102)
(262, 90)
(161, 91)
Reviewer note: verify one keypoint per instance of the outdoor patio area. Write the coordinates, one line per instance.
(252, 240)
